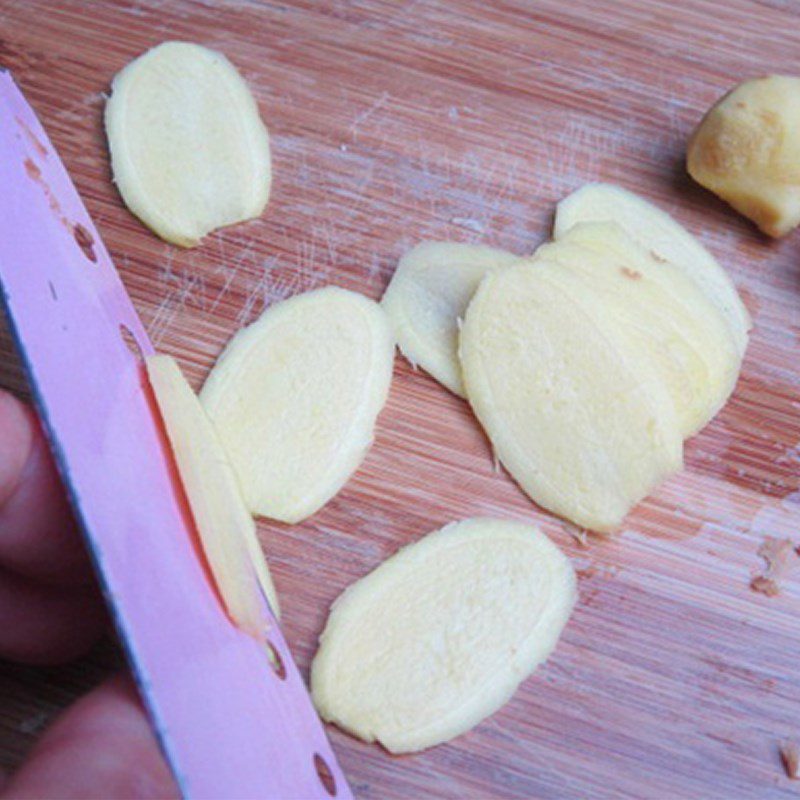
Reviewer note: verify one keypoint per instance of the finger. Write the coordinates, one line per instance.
(47, 625)
(102, 747)
(38, 537)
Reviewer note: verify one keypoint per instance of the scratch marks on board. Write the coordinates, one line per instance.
(247, 274)
(361, 118)
(161, 320)
(76, 112)
(306, 256)
(328, 234)
(486, 194)
(283, 284)
(375, 267)
(469, 223)
(230, 271)
(256, 293)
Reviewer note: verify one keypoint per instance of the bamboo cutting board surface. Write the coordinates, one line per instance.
(396, 122)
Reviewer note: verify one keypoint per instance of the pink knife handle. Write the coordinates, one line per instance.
(230, 725)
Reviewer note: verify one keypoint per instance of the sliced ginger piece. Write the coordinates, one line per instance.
(428, 297)
(295, 397)
(439, 636)
(570, 402)
(226, 530)
(657, 232)
(746, 149)
(684, 333)
(189, 151)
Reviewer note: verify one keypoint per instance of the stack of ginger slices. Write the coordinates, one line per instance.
(588, 363)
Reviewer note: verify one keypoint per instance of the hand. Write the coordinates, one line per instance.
(51, 611)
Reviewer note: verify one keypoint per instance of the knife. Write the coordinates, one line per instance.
(232, 715)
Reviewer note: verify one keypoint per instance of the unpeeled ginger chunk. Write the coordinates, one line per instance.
(189, 151)
(226, 530)
(746, 149)
(571, 403)
(295, 396)
(428, 297)
(440, 635)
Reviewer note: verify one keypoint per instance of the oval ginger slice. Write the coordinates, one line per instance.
(189, 151)
(657, 232)
(658, 304)
(570, 402)
(428, 297)
(226, 530)
(295, 396)
(440, 635)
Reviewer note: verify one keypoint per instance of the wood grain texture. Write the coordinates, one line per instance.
(393, 122)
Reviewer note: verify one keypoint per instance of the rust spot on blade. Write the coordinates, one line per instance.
(325, 775)
(32, 138)
(85, 241)
(81, 234)
(130, 342)
(34, 173)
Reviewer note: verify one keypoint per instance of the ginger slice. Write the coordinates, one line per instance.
(295, 396)
(658, 233)
(439, 636)
(428, 297)
(746, 149)
(658, 304)
(189, 151)
(571, 403)
(226, 530)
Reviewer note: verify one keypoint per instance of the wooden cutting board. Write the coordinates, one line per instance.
(396, 122)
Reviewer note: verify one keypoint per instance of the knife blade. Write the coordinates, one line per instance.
(232, 716)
